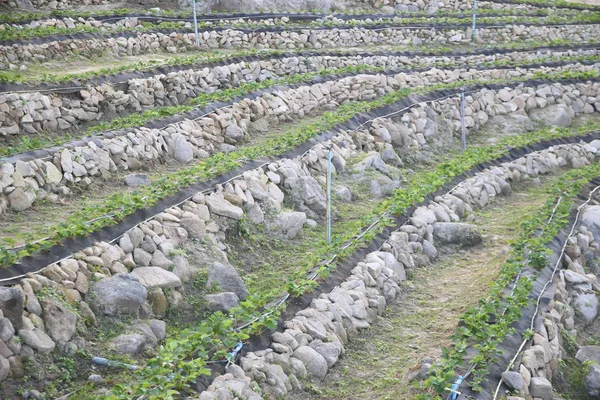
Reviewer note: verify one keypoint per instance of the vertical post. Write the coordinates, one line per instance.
(196, 25)
(329, 155)
(474, 30)
(462, 119)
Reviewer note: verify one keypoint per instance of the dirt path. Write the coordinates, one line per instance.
(418, 323)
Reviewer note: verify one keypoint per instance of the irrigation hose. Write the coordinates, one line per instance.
(537, 305)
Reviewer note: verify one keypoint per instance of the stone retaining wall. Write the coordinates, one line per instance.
(34, 112)
(575, 305)
(314, 339)
(24, 182)
(32, 5)
(304, 39)
(145, 268)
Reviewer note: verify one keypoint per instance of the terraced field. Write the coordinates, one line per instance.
(166, 198)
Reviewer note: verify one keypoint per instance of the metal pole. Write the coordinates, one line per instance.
(196, 25)
(329, 155)
(462, 119)
(474, 31)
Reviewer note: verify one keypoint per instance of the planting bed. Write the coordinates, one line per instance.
(163, 205)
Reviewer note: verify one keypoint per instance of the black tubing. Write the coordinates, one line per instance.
(69, 246)
(198, 112)
(75, 85)
(108, 35)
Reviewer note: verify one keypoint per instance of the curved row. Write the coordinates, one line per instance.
(301, 39)
(30, 113)
(24, 182)
(312, 341)
(166, 227)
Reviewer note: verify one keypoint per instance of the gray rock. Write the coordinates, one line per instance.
(6, 329)
(95, 379)
(218, 205)
(309, 196)
(141, 257)
(590, 218)
(182, 268)
(125, 244)
(159, 328)
(429, 249)
(592, 381)
(588, 353)
(372, 161)
(330, 351)
(143, 329)
(587, 305)
(540, 388)
(222, 301)
(315, 364)
(194, 225)
(342, 193)
(160, 260)
(227, 279)
(33, 394)
(25, 5)
(513, 380)
(259, 126)
(20, 199)
(53, 175)
(291, 223)
(234, 132)
(11, 305)
(60, 322)
(456, 233)
(183, 151)
(38, 340)
(562, 118)
(134, 180)
(155, 277)
(120, 294)
(4, 368)
(129, 344)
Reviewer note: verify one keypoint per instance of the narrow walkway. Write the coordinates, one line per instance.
(419, 322)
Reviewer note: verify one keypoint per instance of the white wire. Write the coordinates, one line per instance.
(537, 304)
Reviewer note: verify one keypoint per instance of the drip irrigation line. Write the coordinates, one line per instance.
(516, 281)
(369, 27)
(293, 17)
(119, 78)
(213, 106)
(35, 263)
(550, 279)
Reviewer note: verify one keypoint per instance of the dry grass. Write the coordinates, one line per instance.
(419, 322)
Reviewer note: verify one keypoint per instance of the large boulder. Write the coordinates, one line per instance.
(227, 279)
(11, 305)
(456, 233)
(60, 322)
(120, 294)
